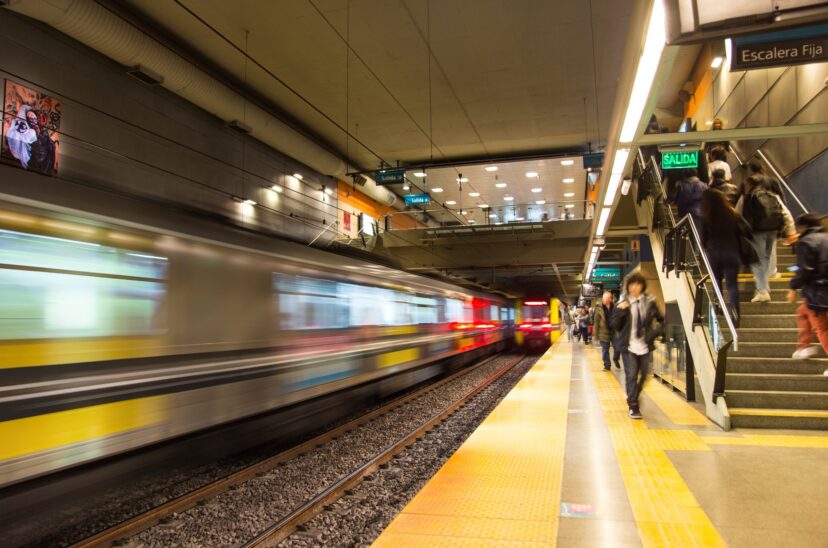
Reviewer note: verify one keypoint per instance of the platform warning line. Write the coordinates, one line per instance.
(503, 485)
(665, 510)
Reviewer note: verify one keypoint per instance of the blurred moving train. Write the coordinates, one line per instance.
(115, 335)
(538, 323)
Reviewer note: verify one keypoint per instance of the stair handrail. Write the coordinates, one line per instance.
(779, 177)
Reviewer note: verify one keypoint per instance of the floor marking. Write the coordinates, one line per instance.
(665, 510)
(771, 440)
(503, 485)
(578, 510)
(678, 411)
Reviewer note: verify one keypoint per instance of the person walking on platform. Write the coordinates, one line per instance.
(569, 323)
(602, 331)
(725, 238)
(812, 279)
(719, 183)
(638, 322)
(582, 320)
(718, 160)
(767, 215)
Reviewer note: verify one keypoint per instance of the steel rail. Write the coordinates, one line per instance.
(279, 531)
(145, 520)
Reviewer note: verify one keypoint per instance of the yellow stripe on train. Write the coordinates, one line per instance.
(390, 359)
(41, 432)
(59, 351)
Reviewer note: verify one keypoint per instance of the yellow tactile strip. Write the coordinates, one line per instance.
(503, 485)
(665, 510)
(678, 411)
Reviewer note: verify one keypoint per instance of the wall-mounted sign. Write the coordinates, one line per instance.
(748, 55)
(680, 160)
(594, 160)
(389, 176)
(31, 129)
(417, 199)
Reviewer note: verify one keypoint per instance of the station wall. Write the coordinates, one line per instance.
(128, 137)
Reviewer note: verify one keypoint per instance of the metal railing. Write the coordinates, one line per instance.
(683, 253)
(776, 173)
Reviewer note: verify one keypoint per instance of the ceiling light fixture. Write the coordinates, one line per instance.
(420, 174)
(298, 176)
(483, 206)
(617, 172)
(508, 198)
(491, 168)
(569, 206)
(277, 188)
(406, 186)
(602, 222)
(569, 180)
(569, 194)
(500, 185)
(474, 194)
(249, 202)
(462, 179)
(436, 190)
(451, 202)
(645, 72)
(537, 189)
(567, 162)
(531, 174)
(716, 62)
(540, 202)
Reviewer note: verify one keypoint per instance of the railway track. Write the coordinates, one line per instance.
(282, 528)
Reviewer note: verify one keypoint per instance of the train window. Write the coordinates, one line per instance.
(57, 288)
(493, 313)
(310, 303)
(456, 311)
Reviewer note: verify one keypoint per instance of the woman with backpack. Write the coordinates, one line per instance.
(767, 216)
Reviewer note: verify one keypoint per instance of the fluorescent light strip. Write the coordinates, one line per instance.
(616, 174)
(602, 222)
(645, 72)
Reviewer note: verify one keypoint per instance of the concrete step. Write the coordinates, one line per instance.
(793, 419)
(777, 307)
(758, 334)
(769, 350)
(777, 295)
(815, 382)
(767, 321)
(777, 399)
(788, 366)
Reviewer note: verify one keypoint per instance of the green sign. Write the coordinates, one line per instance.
(417, 199)
(390, 176)
(680, 159)
(606, 273)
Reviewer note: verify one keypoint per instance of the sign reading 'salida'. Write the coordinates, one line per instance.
(747, 56)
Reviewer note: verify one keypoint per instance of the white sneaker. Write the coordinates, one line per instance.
(761, 297)
(825, 372)
(756, 297)
(805, 353)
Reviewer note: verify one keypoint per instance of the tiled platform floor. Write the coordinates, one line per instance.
(558, 462)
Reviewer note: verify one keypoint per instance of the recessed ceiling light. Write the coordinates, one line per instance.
(537, 189)
(569, 206)
(297, 176)
(406, 187)
(491, 168)
(567, 162)
(463, 212)
(500, 185)
(436, 190)
(569, 180)
(540, 202)
(277, 188)
(451, 202)
(531, 174)
(462, 179)
(327, 190)
(520, 219)
(492, 215)
(249, 202)
(419, 173)
(569, 194)
(484, 206)
(508, 198)
(474, 194)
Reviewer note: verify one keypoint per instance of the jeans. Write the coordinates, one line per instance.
(764, 243)
(726, 267)
(605, 353)
(585, 334)
(809, 322)
(636, 369)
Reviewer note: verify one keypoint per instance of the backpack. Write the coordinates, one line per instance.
(763, 211)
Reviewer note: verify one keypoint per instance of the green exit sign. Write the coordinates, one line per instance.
(680, 159)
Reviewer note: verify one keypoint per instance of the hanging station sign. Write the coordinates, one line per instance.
(389, 176)
(748, 53)
(681, 159)
(417, 199)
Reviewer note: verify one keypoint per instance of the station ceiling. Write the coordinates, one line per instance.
(418, 80)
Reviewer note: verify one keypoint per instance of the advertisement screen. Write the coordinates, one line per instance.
(31, 129)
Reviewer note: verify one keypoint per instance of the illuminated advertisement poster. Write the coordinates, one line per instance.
(31, 126)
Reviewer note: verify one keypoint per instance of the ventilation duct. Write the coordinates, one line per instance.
(99, 29)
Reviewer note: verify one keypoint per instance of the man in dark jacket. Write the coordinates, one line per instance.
(602, 331)
(687, 195)
(812, 279)
(638, 322)
(719, 183)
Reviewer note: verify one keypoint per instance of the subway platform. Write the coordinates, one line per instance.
(559, 462)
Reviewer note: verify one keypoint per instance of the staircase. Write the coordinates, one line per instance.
(765, 387)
